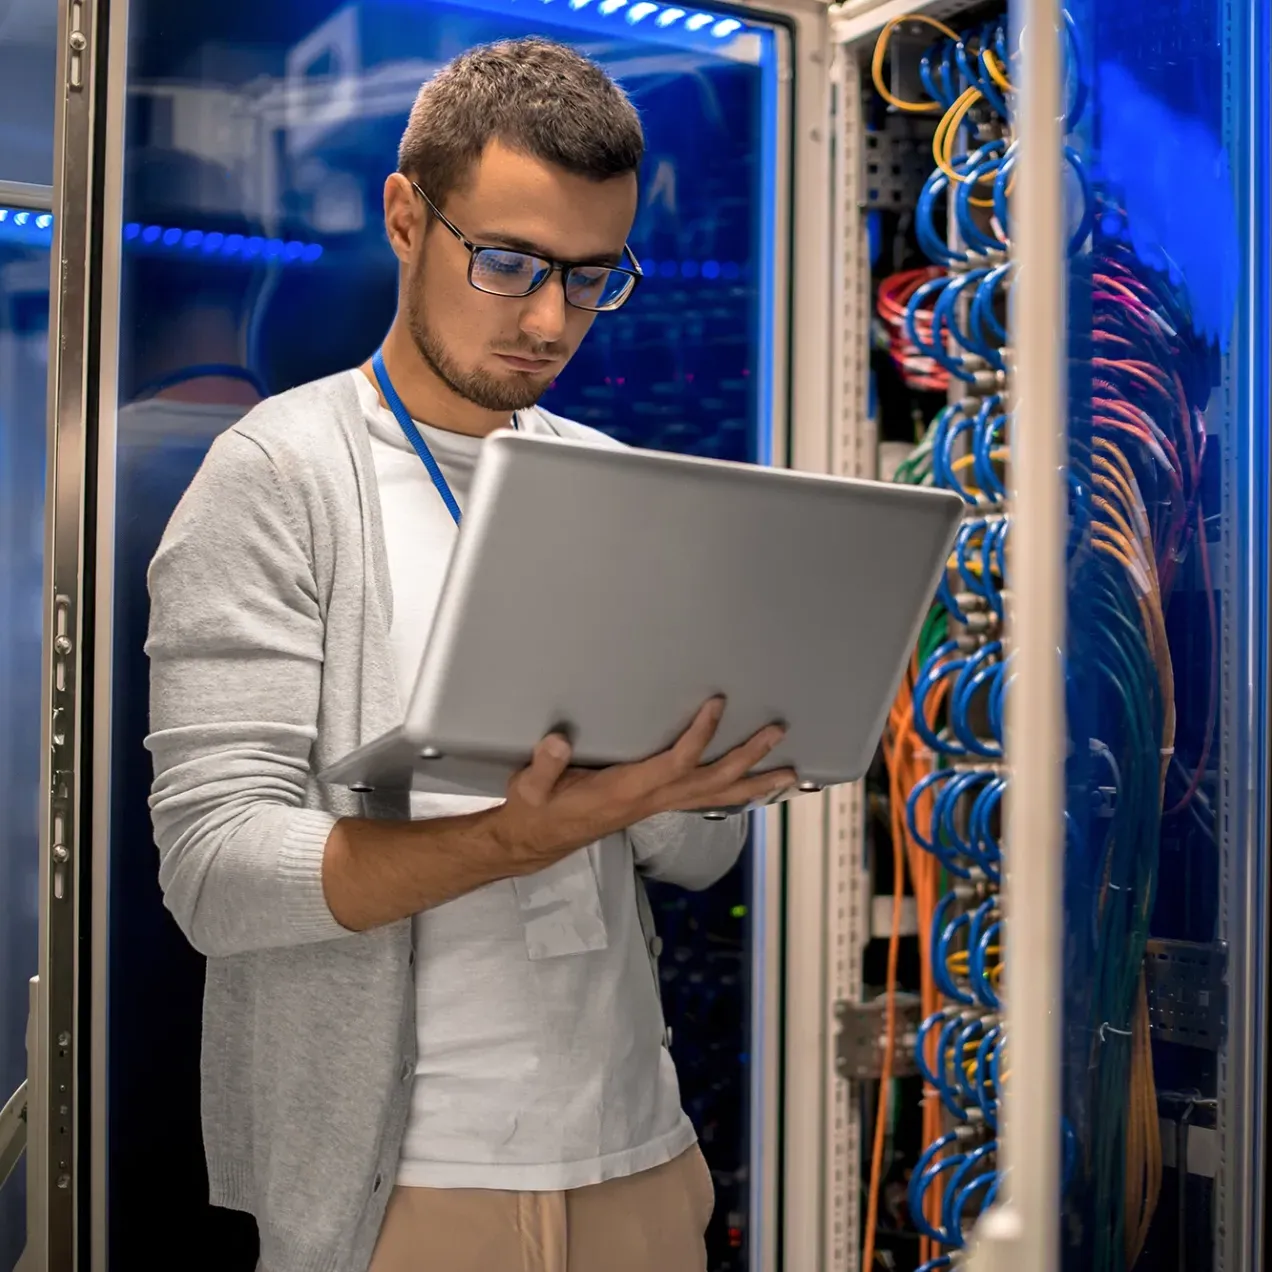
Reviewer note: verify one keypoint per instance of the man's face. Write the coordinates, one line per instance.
(497, 352)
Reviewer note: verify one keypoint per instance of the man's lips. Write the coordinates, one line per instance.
(519, 363)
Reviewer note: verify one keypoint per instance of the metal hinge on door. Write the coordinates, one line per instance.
(77, 40)
(62, 712)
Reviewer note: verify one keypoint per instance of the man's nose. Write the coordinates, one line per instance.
(543, 317)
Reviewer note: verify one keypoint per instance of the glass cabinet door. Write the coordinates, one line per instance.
(1165, 560)
(28, 33)
(24, 312)
(256, 145)
(28, 64)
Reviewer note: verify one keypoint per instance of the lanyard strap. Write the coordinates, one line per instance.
(407, 425)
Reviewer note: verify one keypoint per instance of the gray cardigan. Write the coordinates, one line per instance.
(270, 658)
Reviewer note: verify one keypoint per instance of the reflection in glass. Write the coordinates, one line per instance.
(24, 317)
(28, 67)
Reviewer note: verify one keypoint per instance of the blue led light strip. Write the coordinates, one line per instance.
(728, 271)
(681, 27)
(15, 223)
(213, 243)
(35, 229)
(664, 17)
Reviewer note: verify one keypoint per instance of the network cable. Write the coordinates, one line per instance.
(944, 741)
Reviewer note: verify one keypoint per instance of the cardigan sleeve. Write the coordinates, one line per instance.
(236, 651)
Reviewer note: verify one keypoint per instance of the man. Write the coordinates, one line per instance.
(432, 1039)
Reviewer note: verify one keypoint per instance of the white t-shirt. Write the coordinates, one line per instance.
(542, 1064)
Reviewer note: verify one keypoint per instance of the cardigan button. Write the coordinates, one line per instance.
(375, 1187)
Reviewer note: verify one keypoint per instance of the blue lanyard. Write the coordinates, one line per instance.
(407, 425)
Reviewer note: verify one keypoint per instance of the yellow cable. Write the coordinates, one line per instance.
(947, 130)
(943, 144)
(880, 53)
(995, 69)
(1118, 472)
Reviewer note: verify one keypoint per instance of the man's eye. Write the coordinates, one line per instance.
(507, 264)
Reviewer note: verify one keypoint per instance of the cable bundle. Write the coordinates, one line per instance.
(1137, 517)
(1138, 444)
(944, 742)
(919, 371)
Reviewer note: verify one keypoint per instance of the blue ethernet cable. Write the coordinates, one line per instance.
(934, 245)
(1002, 209)
(944, 813)
(937, 91)
(970, 1162)
(1073, 70)
(944, 319)
(994, 594)
(920, 1050)
(925, 1180)
(949, 75)
(977, 582)
(946, 598)
(950, 423)
(961, 1044)
(996, 700)
(949, 1096)
(957, 1201)
(979, 833)
(983, 242)
(978, 917)
(989, 428)
(991, 33)
(934, 348)
(983, 317)
(1000, 549)
(931, 348)
(981, 987)
(943, 936)
(984, 1080)
(1087, 222)
(968, 333)
(978, 75)
(921, 1180)
(976, 672)
(939, 664)
(933, 845)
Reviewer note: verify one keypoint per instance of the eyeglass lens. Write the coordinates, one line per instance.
(505, 273)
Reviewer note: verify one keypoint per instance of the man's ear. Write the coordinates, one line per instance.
(405, 217)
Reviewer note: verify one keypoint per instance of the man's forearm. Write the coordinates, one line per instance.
(376, 872)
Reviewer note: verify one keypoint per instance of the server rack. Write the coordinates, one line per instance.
(815, 883)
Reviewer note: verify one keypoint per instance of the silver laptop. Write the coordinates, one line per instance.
(610, 592)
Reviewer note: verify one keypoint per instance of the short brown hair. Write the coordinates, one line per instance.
(534, 95)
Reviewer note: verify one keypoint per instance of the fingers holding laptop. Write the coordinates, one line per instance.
(552, 809)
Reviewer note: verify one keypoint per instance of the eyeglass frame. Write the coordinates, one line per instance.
(563, 267)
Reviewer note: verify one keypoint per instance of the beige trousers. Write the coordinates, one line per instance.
(651, 1222)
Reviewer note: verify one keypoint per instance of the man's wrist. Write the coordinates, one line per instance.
(501, 847)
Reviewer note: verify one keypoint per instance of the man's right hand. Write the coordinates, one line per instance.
(376, 872)
(553, 810)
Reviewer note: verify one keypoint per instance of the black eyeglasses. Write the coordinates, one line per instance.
(499, 271)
